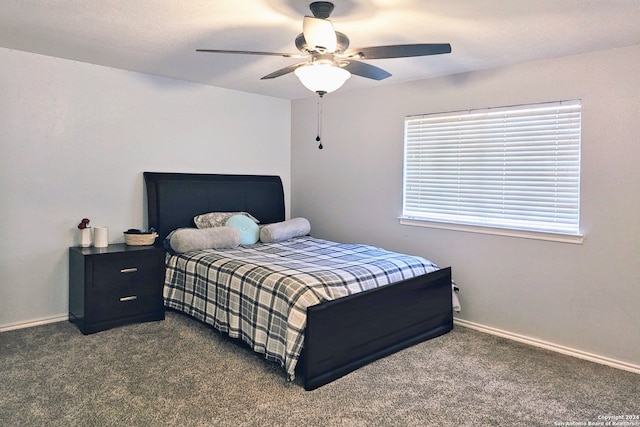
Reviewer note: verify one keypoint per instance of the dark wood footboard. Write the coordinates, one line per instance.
(347, 333)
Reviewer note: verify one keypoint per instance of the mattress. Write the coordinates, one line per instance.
(260, 293)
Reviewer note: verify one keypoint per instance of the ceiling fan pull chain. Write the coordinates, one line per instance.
(318, 138)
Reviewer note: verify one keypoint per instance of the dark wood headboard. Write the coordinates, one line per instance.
(173, 199)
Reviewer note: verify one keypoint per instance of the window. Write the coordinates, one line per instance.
(515, 168)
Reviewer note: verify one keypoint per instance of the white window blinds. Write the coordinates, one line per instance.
(514, 167)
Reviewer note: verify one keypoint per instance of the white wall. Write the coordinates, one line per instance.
(74, 141)
(585, 297)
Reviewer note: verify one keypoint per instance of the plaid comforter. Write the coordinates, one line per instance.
(260, 293)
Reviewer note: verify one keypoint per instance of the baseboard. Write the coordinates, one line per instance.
(550, 346)
(33, 323)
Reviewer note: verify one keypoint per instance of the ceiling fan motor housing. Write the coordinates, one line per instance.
(321, 9)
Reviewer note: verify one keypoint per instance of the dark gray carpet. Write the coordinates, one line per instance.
(179, 372)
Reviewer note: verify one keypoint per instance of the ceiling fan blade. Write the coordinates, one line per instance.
(319, 34)
(283, 71)
(400, 50)
(366, 70)
(249, 52)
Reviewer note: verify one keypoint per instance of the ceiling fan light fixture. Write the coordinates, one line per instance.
(322, 78)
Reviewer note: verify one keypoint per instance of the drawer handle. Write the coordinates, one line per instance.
(129, 270)
(131, 298)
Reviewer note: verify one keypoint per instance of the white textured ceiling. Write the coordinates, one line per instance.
(160, 36)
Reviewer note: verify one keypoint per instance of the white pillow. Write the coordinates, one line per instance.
(218, 219)
(196, 239)
(280, 231)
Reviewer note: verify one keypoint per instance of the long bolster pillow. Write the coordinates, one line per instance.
(195, 239)
(280, 231)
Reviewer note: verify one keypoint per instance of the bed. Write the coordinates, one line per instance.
(335, 335)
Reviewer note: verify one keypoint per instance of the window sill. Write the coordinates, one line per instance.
(536, 235)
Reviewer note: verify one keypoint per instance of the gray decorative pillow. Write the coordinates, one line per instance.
(280, 231)
(196, 239)
(218, 219)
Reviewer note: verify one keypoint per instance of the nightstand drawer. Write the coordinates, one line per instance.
(121, 305)
(118, 274)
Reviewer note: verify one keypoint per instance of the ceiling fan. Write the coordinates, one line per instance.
(329, 61)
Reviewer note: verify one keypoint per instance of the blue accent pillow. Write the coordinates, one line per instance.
(249, 230)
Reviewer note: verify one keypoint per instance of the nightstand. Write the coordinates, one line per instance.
(115, 285)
